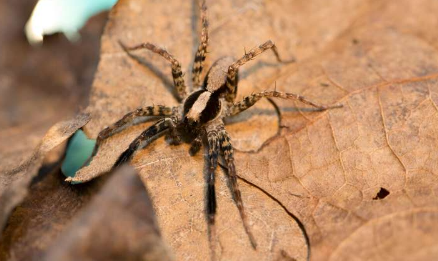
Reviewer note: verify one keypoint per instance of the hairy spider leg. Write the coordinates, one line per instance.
(202, 49)
(250, 100)
(145, 138)
(227, 150)
(213, 153)
(131, 118)
(213, 149)
(178, 79)
(232, 79)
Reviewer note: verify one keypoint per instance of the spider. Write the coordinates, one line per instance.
(199, 119)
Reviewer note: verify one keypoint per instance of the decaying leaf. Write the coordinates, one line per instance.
(38, 87)
(118, 224)
(14, 183)
(43, 215)
(378, 58)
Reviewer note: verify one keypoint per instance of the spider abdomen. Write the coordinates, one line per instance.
(204, 105)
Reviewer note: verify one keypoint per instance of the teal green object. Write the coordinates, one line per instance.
(66, 16)
(79, 150)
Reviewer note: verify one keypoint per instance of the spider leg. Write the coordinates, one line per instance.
(178, 79)
(202, 49)
(145, 138)
(250, 100)
(129, 119)
(227, 150)
(232, 79)
(213, 149)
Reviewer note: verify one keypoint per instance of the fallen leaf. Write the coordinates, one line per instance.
(118, 224)
(39, 87)
(43, 214)
(14, 183)
(378, 58)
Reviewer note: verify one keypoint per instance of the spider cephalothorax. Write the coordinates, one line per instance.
(204, 105)
(200, 115)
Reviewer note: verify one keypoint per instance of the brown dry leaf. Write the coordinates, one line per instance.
(14, 183)
(39, 86)
(57, 221)
(43, 215)
(118, 224)
(330, 169)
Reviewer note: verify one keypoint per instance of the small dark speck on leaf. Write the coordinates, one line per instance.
(355, 41)
(381, 194)
(323, 84)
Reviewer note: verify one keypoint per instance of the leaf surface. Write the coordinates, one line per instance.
(39, 87)
(118, 224)
(329, 169)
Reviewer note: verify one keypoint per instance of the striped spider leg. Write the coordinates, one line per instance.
(198, 64)
(177, 74)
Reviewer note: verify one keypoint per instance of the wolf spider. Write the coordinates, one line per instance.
(200, 115)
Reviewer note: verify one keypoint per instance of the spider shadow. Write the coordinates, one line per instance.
(195, 39)
(205, 170)
(195, 34)
(292, 215)
(250, 70)
(247, 115)
(142, 61)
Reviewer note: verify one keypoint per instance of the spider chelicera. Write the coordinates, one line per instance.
(200, 116)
